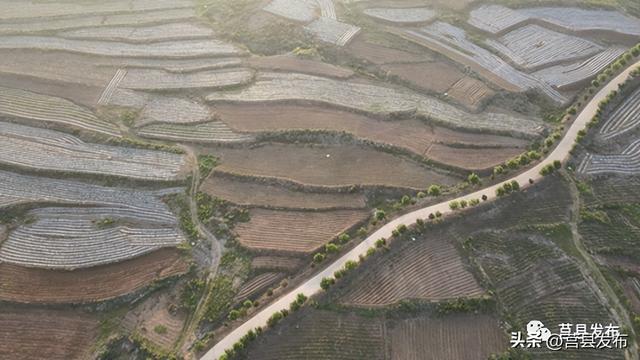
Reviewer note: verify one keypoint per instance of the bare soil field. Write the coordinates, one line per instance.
(456, 337)
(431, 76)
(148, 317)
(256, 285)
(84, 95)
(295, 231)
(470, 92)
(281, 263)
(429, 268)
(286, 63)
(277, 197)
(378, 54)
(408, 134)
(470, 158)
(322, 335)
(27, 285)
(329, 166)
(30, 333)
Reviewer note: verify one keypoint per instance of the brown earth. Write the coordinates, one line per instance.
(289, 63)
(277, 197)
(85, 95)
(377, 54)
(428, 268)
(256, 285)
(295, 231)
(411, 135)
(329, 166)
(471, 158)
(34, 333)
(470, 92)
(432, 76)
(455, 337)
(31, 285)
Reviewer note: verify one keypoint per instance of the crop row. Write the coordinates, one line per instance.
(564, 76)
(430, 269)
(138, 216)
(628, 162)
(174, 49)
(43, 149)
(28, 105)
(369, 98)
(153, 79)
(332, 31)
(65, 23)
(295, 231)
(209, 132)
(402, 15)
(454, 40)
(327, 9)
(163, 32)
(533, 46)
(496, 18)
(275, 263)
(257, 284)
(60, 243)
(624, 118)
(15, 188)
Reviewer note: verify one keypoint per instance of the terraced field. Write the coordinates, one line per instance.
(23, 189)
(615, 235)
(208, 132)
(28, 10)
(496, 19)
(36, 148)
(248, 193)
(163, 32)
(329, 166)
(289, 63)
(370, 98)
(29, 105)
(41, 286)
(280, 263)
(323, 335)
(51, 24)
(471, 158)
(470, 92)
(402, 15)
(160, 80)
(572, 75)
(303, 10)
(628, 162)
(453, 42)
(60, 334)
(625, 118)
(55, 241)
(427, 269)
(295, 231)
(433, 76)
(533, 46)
(332, 31)
(425, 338)
(256, 285)
(174, 49)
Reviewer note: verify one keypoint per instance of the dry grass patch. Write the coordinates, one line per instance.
(272, 196)
(295, 231)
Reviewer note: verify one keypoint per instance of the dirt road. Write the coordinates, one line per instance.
(312, 286)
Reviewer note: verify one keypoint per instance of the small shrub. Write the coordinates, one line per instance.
(514, 185)
(350, 264)
(463, 203)
(557, 164)
(421, 195)
(274, 319)
(405, 200)
(325, 283)
(434, 190)
(318, 258)
(474, 202)
(498, 170)
(380, 215)
(380, 243)
(432, 216)
(371, 251)
(331, 248)
(402, 228)
(473, 179)
(344, 238)
(454, 205)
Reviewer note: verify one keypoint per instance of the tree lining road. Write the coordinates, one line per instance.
(312, 286)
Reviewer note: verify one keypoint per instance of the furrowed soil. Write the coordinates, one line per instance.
(471, 158)
(454, 337)
(332, 166)
(30, 285)
(428, 268)
(436, 76)
(277, 197)
(295, 231)
(379, 54)
(30, 333)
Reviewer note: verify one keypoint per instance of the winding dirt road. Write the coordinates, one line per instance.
(312, 286)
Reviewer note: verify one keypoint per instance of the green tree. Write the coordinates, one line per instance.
(434, 190)
(473, 179)
(318, 258)
(380, 214)
(325, 283)
(331, 248)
